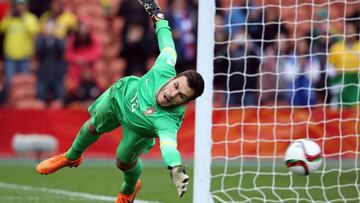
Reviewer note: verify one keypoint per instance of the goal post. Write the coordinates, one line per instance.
(276, 71)
(203, 116)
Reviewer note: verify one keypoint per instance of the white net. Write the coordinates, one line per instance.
(285, 70)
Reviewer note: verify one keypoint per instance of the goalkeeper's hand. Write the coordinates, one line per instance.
(153, 9)
(179, 178)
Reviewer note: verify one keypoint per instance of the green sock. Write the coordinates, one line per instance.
(82, 141)
(131, 177)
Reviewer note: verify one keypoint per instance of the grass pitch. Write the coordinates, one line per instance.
(102, 180)
(91, 178)
(265, 181)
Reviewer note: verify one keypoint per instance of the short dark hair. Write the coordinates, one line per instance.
(195, 82)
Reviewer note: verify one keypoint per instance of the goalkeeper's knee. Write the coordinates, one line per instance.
(124, 166)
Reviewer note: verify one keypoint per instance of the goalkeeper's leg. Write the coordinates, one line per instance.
(86, 136)
(103, 119)
(132, 183)
(73, 158)
(128, 160)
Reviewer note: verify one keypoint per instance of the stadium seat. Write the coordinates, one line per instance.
(103, 37)
(30, 103)
(117, 26)
(100, 24)
(23, 92)
(111, 51)
(94, 10)
(23, 80)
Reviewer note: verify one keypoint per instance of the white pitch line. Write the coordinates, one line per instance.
(63, 192)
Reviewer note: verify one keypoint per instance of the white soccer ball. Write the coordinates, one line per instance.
(303, 157)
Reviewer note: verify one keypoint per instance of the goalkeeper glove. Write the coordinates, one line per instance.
(179, 178)
(153, 9)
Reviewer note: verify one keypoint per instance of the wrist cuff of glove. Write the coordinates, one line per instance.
(175, 165)
(157, 17)
(170, 168)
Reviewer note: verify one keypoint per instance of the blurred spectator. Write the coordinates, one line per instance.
(64, 21)
(265, 30)
(3, 91)
(55, 25)
(106, 4)
(272, 80)
(38, 7)
(302, 73)
(19, 28)
(234, 15)
(82, 51)
(320, 38)
(52, 66)
(221, 37)
(183, 23)
(344, 57)
(355, 17)
(132, 12)
(221, 42)
(86, 92)
(254, 23)
(4, 7)
(138, 44)
(243, 61)
(136, 49)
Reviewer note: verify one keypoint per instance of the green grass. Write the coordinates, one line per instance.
(285, 187)
(254, 181)
(94, 179)
(247, 186)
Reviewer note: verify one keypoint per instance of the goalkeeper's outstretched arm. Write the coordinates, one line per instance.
(163, 32)
(172, 159)
(165, 42)
(168, 143)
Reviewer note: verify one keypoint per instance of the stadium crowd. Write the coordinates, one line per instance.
(67, 52)
(272, 55)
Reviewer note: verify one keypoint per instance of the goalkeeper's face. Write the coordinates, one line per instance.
(174, 93)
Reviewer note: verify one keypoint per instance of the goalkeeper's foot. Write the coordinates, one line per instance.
(153, 9)
(55, 163)
(123, 198)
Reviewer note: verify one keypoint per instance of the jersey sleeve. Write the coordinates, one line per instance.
(164, 66)
(167, 132)
(4, 24)
(168, 55)
(31, 24)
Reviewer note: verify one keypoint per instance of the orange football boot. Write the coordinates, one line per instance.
(123, 198)
(55, 163)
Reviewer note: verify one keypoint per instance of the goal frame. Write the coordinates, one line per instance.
(204, 104)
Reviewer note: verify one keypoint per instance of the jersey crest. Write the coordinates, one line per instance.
(149, 111)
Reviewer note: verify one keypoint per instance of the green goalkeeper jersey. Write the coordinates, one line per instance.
(139, 110)
(136, 97)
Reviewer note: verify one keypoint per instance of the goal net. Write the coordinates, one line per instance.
(277, 71)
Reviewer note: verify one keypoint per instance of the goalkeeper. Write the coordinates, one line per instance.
(145, 107)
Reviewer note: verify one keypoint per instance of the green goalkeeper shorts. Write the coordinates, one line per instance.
(105, 117)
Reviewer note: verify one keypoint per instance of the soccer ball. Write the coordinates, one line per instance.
(303, 157)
